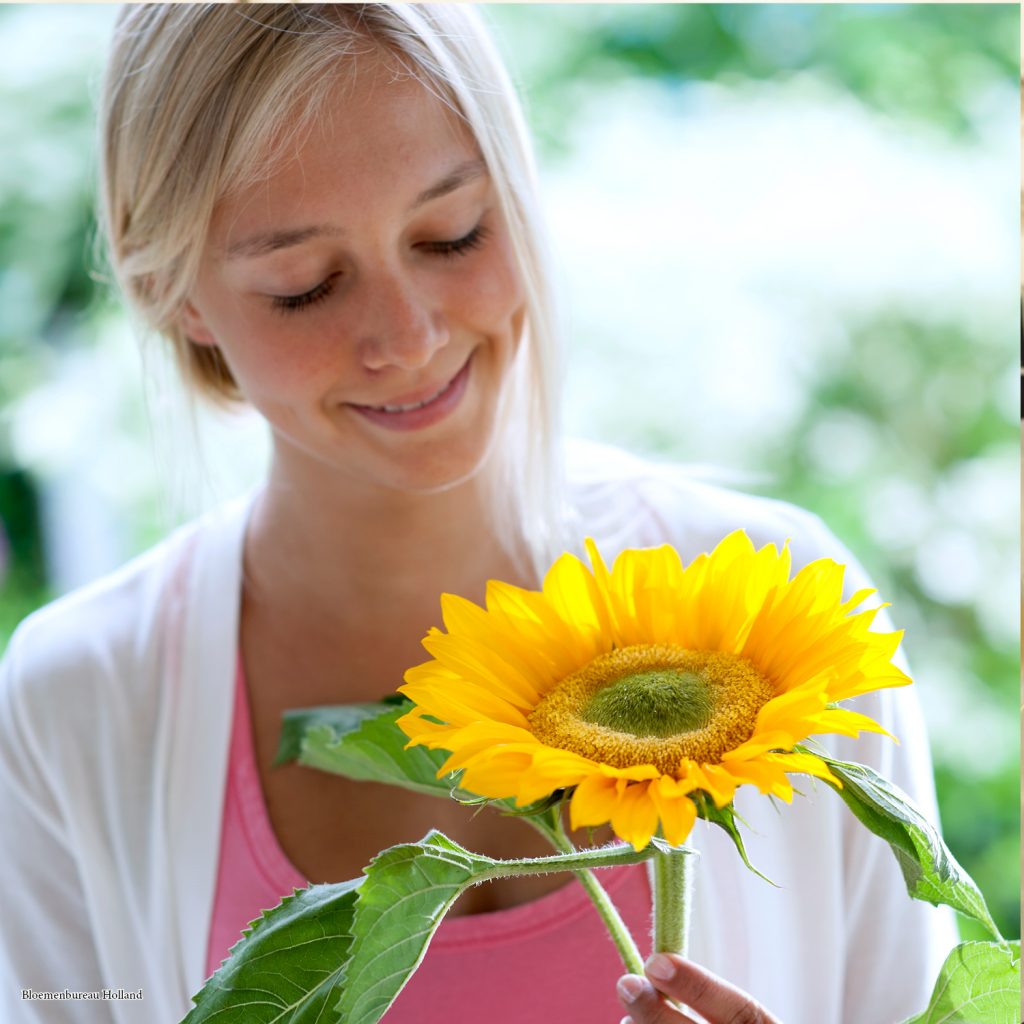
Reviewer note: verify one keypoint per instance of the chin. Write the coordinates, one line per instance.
(445, 472)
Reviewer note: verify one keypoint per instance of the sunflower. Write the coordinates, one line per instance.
(645, 689)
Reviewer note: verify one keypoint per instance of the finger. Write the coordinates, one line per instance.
(645, 1004)
(706, 993)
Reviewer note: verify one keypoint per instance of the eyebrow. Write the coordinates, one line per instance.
(271, 241)
(461, 175)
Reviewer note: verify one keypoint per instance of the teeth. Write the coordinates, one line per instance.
(415, 405)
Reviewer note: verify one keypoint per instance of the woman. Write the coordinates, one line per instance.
(329, 212)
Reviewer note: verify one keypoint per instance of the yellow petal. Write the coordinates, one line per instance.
(635, 817)
(807, 764)
(572, 592)
(493, 666)
(593, 801)
(483, 738)
(545, 776)
(758, 744)
(770, 778)
(475, 661)
(507, 650)
(470, 703)
(845, 723)
(858, 599)
(793, 705)
(551, 644)
(419, 729)
(714, 779)
(633, 772)
(497, 777)
(676, 812)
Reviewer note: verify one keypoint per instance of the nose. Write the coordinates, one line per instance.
(402, 325)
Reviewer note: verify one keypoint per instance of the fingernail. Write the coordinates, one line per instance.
(629, 987)
(660, 967)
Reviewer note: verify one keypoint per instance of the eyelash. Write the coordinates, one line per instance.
(460, 246)
(446, 250)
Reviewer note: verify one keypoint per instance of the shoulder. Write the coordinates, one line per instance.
(627, 501)
(101, 623)
(91, 657)
(73, 692)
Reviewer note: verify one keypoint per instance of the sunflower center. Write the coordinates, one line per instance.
(661, 702)
(654, 704)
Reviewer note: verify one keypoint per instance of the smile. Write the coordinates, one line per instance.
(413, 405)
(419, 413)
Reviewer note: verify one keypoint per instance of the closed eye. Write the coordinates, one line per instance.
(446, 249)
(292, 303)
(459, 245)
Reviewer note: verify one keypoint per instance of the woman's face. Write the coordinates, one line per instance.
(366, 297)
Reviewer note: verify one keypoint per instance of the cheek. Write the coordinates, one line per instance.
(272, 361)
(493, 294)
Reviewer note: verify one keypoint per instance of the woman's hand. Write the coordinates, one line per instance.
(683, 981)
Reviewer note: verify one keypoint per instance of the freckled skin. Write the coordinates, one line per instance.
(399, 319)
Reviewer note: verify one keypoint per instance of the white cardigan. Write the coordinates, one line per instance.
(115, 715)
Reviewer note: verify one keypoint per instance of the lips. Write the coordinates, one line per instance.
(408, 407)
(420, 409)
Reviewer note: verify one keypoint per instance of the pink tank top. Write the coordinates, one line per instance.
(477, 964)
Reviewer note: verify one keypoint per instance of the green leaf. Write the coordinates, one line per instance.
(342, 718)
(979, 984)
(406, 893)
(361, 741)
(725, 819)
(930, 871)
(288, 964)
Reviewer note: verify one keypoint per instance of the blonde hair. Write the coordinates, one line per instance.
(199, 99)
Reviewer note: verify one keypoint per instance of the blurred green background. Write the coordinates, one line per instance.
(787, 241)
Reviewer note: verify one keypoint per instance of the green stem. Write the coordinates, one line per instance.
(553, 828)
(672, 883)
(571, 860)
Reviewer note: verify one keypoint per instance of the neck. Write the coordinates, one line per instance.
(371, 555)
